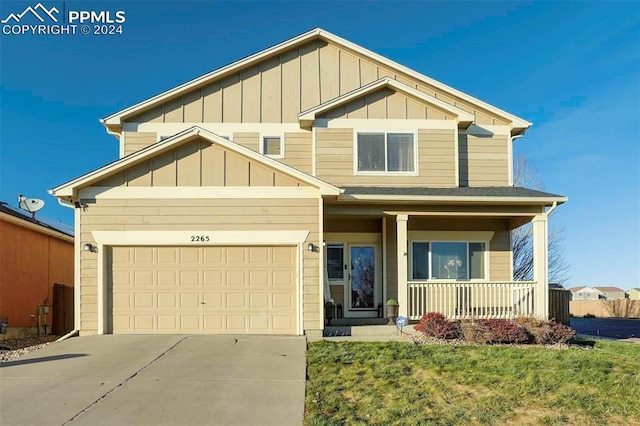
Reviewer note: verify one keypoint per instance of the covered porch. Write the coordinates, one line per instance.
(452, 256)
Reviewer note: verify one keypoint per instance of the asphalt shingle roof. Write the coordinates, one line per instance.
(45, 223)
(489, 191)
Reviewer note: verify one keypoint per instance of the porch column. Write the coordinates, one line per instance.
(403, 295)
(540, 265)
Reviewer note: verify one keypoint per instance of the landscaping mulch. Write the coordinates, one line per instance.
(14, 348)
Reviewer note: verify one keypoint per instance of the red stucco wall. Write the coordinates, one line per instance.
(30, 263)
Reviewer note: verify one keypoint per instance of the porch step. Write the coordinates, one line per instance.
(373, 331)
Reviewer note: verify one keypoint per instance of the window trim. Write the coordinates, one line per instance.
(356, 172)
(487, 250)
(334, 281)
(272, 135)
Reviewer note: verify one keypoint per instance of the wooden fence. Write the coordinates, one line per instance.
(559, 305)
(62, 309)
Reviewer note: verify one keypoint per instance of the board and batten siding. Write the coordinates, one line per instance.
(277, 89)
(436, 160)
(387, 104)
(200, 163)
(484, 161)
(202, 215)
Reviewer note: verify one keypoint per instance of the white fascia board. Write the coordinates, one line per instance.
(310, 114)
(453, 199)
(69, 189)
(116, 118)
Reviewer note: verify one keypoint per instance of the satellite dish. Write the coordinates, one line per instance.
(32, 205)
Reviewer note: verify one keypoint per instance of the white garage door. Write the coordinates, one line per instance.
(211, 290)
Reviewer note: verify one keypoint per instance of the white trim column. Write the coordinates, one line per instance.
(540, 265)
(401, 239)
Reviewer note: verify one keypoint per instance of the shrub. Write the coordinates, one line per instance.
(434, 324)
(545, 332)
(492, 331)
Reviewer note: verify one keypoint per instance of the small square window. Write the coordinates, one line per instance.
(335, 262)
(272, 146)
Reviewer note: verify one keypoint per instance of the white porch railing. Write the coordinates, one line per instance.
(460, 300)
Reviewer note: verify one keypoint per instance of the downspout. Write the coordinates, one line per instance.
(553, 207)
(513, 138)
(67, 204)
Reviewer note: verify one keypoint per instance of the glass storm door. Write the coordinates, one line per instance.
(362, 280)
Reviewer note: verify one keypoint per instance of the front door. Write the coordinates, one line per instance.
(362, 290)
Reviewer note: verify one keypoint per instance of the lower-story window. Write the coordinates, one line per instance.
(448, 260)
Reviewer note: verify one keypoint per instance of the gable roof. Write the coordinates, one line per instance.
(609, 289)
(70, 188)
(590, 289)
(307, 117)
(116, 118)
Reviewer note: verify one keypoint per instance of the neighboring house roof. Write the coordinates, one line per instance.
(69, 189)
(41, 225)
(634, 288)
(519, 125)
(483, 194)
(307, 117)
(583, 288)
(609, 289)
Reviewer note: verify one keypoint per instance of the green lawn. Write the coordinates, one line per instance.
(405, 384)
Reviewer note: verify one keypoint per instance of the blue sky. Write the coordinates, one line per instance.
(572, 68)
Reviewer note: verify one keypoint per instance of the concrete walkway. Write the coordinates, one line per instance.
(157, 380)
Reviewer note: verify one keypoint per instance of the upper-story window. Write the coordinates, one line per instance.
(382, 152)
(272, 146)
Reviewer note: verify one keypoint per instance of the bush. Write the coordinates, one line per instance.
(434, 324)
(545, 332)
(492, 331)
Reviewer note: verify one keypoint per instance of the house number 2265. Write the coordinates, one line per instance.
(199, 238)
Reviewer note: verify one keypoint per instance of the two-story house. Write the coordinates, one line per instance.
(236, 191)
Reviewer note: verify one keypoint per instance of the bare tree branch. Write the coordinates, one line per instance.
(522, 237)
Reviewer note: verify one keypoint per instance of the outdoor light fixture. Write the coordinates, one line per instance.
(90, 247)
(311, 247)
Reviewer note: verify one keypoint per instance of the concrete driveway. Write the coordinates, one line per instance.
(157, 380)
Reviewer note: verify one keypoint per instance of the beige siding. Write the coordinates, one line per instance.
(135, 141)
(387, 103)
(200, 163)
(297, 151)
(280, 87)
(436, 160)
(201, 215)
(484, 161)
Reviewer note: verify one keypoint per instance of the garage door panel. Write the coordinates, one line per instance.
(236, 279)
(189, 278)
(259, 300)
(167, 323)
(144, 255)
(203, 290)
(213, 301)
(213, 256)
(189, 300)
(144, 323)
(143, 278)
(167, 300)
(143, 300)
(167, 255)
(190, 255)
(167, 278)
